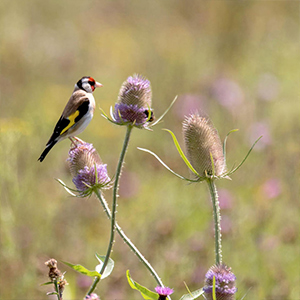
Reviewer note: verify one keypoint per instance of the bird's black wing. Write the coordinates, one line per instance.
(61, 124)
(64, 123)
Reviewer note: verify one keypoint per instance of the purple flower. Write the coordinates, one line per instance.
(86, 177)
(225, 283)
(163, 292)
(125, 113)
(87, 168)
(134, 102)
(92, 296)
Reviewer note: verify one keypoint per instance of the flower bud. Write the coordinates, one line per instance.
(85, 163)
(224, 283)
(202, 141)
(134, 102)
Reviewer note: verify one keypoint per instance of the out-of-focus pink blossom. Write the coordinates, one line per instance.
(228, 93)
(272, 188)
(226, 224)
(84, 281)
(225, 199)
(188, 103)
(260, 129)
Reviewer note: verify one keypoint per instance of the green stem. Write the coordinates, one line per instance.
(217, 220)
(114, 207)
(127, 240)
(59, 296)
(92, 288)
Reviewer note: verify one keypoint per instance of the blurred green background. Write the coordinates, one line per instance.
(236, 61)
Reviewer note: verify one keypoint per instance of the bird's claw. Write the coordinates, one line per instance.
(75, 145)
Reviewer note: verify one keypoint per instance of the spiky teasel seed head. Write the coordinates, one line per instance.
(87, 168)
(224, 283)
(134, 102)
(136, 90)
(83, 155)
(202, 142)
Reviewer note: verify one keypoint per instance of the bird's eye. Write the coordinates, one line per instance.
(91, 81)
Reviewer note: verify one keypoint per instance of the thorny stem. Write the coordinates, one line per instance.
(114, 207)
(217, 220)
(127, 240)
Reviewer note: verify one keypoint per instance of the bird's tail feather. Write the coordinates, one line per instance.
(47, 149)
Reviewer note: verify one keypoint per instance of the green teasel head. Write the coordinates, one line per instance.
(203, 146)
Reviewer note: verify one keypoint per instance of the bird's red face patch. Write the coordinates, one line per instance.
(92, 83)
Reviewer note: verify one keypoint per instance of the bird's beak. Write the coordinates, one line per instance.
(97, 84)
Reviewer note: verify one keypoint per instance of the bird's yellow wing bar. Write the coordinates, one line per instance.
(71, 118)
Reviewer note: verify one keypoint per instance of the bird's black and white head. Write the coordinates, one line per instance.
(87, 84)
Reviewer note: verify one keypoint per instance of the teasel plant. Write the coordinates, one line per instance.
(83, 161)
(206, 159)
(89, 176)
(133, 109)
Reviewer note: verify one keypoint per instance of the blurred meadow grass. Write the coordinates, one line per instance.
(236, 61)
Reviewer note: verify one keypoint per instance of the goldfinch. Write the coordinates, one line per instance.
(77, 114)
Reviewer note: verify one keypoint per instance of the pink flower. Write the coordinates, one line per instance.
(163, 292)
(92, 296)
